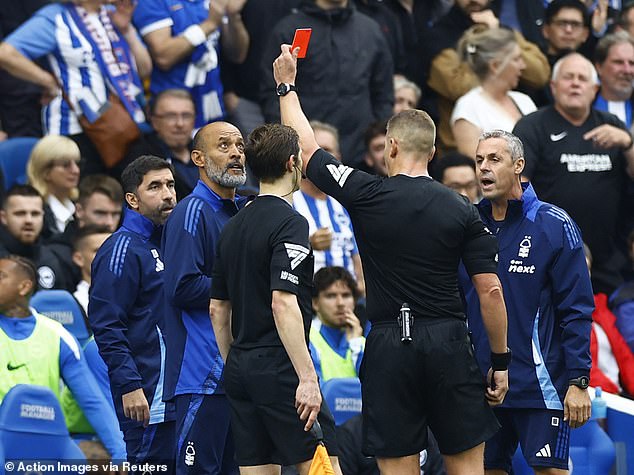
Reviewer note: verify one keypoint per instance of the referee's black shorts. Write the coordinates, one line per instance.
(261, 385)
(434, 380)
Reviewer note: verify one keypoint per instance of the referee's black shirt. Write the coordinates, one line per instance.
(264, 247)
(412, 233)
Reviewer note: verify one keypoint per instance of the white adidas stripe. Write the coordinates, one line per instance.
(544, 451)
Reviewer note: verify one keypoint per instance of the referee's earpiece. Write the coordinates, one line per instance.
(292, 161)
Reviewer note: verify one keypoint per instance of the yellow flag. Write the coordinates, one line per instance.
(321, 462)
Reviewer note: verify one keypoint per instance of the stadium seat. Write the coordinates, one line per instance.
(62, 307)
(591, 450)
(14, 155)
(32, 427)
(343, 396)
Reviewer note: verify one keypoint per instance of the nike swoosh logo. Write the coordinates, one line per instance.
(558, 137)
(10, 367)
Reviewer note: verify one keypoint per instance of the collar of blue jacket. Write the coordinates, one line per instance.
(208, 195)
(527, 205)
(135, 222)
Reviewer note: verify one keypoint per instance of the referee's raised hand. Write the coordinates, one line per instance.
(285, 65)
(308, 401)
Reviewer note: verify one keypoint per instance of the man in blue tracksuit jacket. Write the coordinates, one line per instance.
(126, 311)
(193, 378)
(549, 302)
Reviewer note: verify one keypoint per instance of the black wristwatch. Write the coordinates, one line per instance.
(284, 88)
(581, 382)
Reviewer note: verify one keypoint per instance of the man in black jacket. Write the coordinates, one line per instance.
(22, 218)
(346, 77)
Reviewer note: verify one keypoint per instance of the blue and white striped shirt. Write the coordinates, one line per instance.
(329, 214)
(51, 31)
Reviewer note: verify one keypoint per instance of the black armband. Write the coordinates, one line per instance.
(501, 361)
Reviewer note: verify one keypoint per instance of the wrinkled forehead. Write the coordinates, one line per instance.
(493, 147)
(223, 130)
(162, 176)
(574, 65)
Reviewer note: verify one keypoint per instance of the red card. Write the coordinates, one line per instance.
(302, 37)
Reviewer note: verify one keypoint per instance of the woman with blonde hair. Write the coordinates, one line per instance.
(494, 56)
(53, 170)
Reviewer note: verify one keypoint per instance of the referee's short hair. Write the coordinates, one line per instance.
(513, 143)
(268, 149)
(414, 130)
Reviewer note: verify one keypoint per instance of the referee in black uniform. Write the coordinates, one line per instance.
(412, 233)
(261, 307)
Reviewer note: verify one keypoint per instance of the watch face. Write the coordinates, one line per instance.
(283, 89)
(582, 381)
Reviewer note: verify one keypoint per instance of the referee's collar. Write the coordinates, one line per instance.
(427, 177)
(276, 196)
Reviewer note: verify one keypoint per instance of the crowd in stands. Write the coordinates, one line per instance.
(558, 74)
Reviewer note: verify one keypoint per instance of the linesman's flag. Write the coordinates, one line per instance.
(321, 460)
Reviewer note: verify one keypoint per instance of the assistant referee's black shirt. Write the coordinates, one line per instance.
(263, 248)
(412, 233)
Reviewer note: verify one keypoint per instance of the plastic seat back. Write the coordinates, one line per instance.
(343, 396)
(32, 426)
(14, 155)
(591, 450)
(62, 307)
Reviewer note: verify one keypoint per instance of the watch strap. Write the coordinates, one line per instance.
(581, 382)
(284, 88)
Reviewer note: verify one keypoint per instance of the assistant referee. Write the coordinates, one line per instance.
(412, 233)
(261, 288)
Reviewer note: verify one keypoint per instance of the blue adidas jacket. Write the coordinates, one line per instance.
(548, 299)
(194, 364)
(126, 313)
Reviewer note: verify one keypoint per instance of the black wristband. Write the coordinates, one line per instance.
(501, 361)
